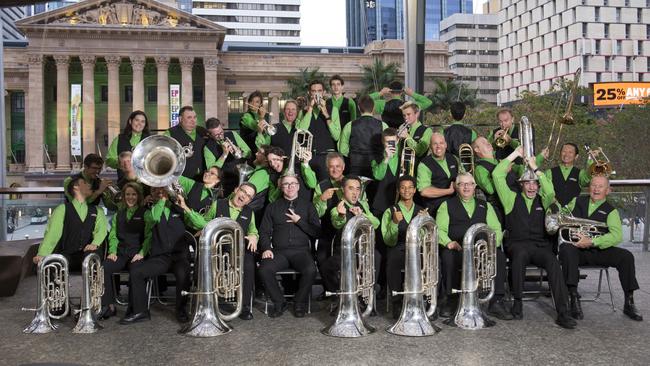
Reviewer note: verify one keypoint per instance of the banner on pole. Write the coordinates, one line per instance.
(75, 119)
(174, 103)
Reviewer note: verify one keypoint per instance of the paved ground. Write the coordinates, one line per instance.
(603, 338)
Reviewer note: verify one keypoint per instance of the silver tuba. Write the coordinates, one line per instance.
(478, 272)
(92, 273)
(244, 171)
(357, 279)
(220, 262)
(158, 161)
(526, 135)
(420, 279)
(52, 295)
(569, 228)
(301, 143)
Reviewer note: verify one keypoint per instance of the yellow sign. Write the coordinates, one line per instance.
(617, 93)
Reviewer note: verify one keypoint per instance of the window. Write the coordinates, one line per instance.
(585, 63)
(607, 63)
(628, 64)
(618, 48)
(598, 77)
(197, 94)
(235, 102)
(618, 15)
(605, 3)
(627, 31)
(128, 94)
(639, 14)
(18, 102)
(597, 47)
(619, 76)
(584, 30)
(639, 48)
(597, 14)
(152, 93)
(606, 30)
(104, 93)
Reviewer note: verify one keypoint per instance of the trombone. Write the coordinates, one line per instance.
(601, 164)
(466, 157)
(567, 117)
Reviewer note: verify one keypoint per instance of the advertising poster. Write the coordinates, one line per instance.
(75, 119)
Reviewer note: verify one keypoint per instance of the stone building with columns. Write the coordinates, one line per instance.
(125, 54)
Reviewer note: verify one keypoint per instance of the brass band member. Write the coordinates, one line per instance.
(389, 100)
(124, 241)
(599, 251)
(255, 114)
(394, 223)
(288, 226)
(188, 133)
(265, 176)
(220, 152)
(454, 218)
(200, 195)
(527, 243)
(417, 136)
(126, 166)
(165, 250)
(135, 129)
(508, 131)
(326, 128)
(93, 165)
(458, 134)
(385, 171)
(76, 228)
(346, 106)
(436, 174)
(568, 180)
(285, 130)
(360, 140)
(234, 207)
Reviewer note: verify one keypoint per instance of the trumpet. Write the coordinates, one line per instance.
(601, 164)
(257, 109)
(501, 142)
(236, 150)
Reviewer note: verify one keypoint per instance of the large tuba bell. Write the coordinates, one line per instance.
(420, 279)
(158, 161)
(220, 262)
(52, 296)
(301, 143)
(526, 134)
(357, 279)
(92, 273)
(569, 228)
(466, 157)
(478, 272)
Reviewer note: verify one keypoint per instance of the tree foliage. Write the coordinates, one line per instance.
(378, 75)
(299, 85)
(449, 91)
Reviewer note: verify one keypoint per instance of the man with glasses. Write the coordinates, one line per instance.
(219, 152)
(93, 165)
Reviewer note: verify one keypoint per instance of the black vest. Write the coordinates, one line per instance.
(526, 227)
(459, 222)
(124, 142)
(392, 113)
(283, 138)
(194, 200)
(439, 179)
(246, 133)
(348, 216)
(402, 227)
(581, 210)
(244, 218)
(456, 135)
(511, 178)
(566, 190)
(258, 202)
(130, 233)
(167, 235)
(195, 165)
(502, 153)
(365, 144)
(76, 233)
(323, 141)
(94, 185)
(344, 110)
(326, 221)
(386, 191)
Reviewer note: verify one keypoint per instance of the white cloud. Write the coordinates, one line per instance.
(322, 23)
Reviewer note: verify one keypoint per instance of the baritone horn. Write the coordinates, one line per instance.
(301, 144)
(569, 228)
(601, 164)
(357, 280)
(478, 272)
(221, 276)
(420, 279)
(466, 158)
(92, 273)
(52, 295)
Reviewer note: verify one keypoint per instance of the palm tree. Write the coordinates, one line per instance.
(449, 91)
(299, 85)
(378, 75)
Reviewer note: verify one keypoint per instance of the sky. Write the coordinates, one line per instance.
(322, 22)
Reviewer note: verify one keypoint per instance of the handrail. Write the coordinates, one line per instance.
(31, 190)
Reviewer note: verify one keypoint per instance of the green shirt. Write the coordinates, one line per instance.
(352, 106)
(514, 143)
(419, 99)
(389, 229)
(421, 147)
(211, 160)
(187, 184)
(250, 122)
(198, 221)
(344, 141)
(379, 169)
(321, 206)
(339, 221)
(442, 219)
(113, 241)
(265, 139)
(615, 234)
(583, 177)
(425, 175)
(55, 224)
(334, 125)
(484, 179)
(507, 197)
(112, 157)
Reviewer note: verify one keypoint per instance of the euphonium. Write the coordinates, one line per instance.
(357, 279)
(220, 266)
(570, 228)
(601, 164)
(52, 295)
(526, 135)
(158, 161)
(301, 143)
(466, 157)
(478, 272)
(92, 273)
(420, 279)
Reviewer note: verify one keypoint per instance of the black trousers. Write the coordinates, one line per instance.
(572, 257)
(523, 253)
(319, 165)
(331, 270)
(75, 260)
(249, 278)
(299, 259)
(451, 263)
(110, 268)
(395, 262)
(324, 251)
(177, 262)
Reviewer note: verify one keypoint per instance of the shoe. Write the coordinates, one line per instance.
(498, 310)
(107, 312)
(434, 317)
(397, 310)
(575, 307)
(449, 308)
(565, 321)
(181, 316)
(278, 310)
(246, 314)
(135, 318)
(630, 309)
(517, 310)
(299, 311)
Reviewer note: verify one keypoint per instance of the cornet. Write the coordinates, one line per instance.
(236, 150)
(501, 142)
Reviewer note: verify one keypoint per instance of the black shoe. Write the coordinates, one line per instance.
(107, 312)
(449, 308)
(498, 310)
(135, 318)
(246, 314)
(434, 317)
(630, 309)
(565, 321)
(517, 310)
(299, 311)
(181, 316)
(575, 307)
(278, 310)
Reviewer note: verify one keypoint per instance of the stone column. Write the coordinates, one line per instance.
(114, 120)
(88, 105)
(62, 108)
(162, 64)
(186, 76)
(210, 65)
(34, 116)
(274, 106)
(137, 64)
